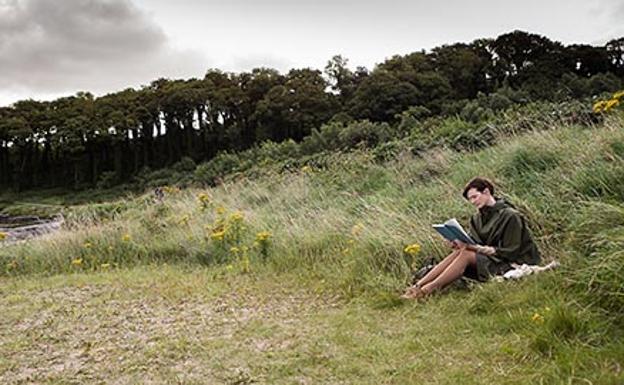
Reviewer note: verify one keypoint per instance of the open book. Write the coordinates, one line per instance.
(452, 231)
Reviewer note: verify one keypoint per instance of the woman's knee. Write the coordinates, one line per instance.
(469, 256)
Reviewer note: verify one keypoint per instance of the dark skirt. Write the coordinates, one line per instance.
(486, 267)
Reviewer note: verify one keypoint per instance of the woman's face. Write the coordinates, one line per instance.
(478, 198)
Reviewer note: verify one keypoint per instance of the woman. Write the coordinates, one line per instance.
(502, 238)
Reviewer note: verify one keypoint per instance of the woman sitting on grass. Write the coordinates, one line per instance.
(502, 238)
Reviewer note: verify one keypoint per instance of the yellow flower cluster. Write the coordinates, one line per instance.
(3, 236)
(539, 318)
(412, 249)
(77, 262)
(126, 237)
(607, 105)
(171, 189)
(204, 200)
(184, 220)
(217, 235)
(263, 236)
(236, 217)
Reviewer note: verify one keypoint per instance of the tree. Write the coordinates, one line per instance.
(465, 66)
(524, 57)
(382, 96)
(293, 109)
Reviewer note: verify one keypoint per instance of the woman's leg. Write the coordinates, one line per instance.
(438, 269)
(453, 271)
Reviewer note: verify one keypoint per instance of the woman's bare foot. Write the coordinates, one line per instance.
(413, 292)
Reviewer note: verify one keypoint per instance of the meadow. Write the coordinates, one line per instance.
(293, 276)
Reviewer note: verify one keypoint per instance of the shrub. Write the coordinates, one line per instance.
(222, 164)
(185, 164)
(364, 133)
(462, 135)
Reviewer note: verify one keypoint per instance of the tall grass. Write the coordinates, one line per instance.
(348, 222)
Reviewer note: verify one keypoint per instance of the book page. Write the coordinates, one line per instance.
(453, 223)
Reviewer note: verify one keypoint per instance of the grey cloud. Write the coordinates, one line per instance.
(94, 45)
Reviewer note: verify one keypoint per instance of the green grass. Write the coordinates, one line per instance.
(139, 291)
(167, 324)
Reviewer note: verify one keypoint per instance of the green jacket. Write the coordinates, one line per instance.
(504, 228)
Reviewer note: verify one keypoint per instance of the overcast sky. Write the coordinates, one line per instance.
(51, 48)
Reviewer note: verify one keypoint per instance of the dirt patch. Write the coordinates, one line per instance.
(108, 334)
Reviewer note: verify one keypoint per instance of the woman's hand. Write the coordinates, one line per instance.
(456, 244)
(486, 250)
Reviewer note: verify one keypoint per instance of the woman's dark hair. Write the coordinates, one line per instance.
(480, 184)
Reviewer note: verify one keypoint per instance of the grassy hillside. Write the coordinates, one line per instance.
(292, 277)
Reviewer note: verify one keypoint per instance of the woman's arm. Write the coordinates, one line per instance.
(485, 250)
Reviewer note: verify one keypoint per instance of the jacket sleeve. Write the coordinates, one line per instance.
(510, 243)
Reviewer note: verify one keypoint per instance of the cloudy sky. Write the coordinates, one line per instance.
(51, 48)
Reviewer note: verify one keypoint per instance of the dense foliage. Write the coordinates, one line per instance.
(83, 141)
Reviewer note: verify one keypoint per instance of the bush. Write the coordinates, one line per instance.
(185, 164)
(364, 133)
(216, 168)
(462, 135)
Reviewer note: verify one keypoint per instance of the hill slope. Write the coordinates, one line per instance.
(302, 270)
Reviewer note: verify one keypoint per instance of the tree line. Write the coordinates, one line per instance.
(73, 141)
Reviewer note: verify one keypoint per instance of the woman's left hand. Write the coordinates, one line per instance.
(486, 250)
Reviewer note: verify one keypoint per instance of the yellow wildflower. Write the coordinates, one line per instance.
(245, 263)
(236, 217)
(599, 106)
(618, 95)
(234, 249)
(611, 103)
(3, 236)
(263, 236)
(412, 249)
(203, 197)
(87, 245)
(105, 265)
(229, 267)
(77, 262)
(220, 210)
(306, 168)
(537, 318)
(184, 220)
(217, 235)
(126, 237)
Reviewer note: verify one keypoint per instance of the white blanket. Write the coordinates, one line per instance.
(520, 271)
